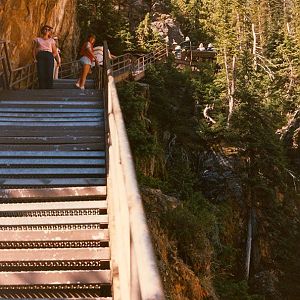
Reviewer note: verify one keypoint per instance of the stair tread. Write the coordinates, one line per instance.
(51, 182)
(55, 254)
(55, 277)
(53, 193)
(85, 219)
(33, 206)
(54, 235)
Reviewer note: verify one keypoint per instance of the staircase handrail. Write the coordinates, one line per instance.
(69, 69)
(26, 76)
(12, 78)
(134, 268)
(144, 61)
(127, 63)
(5, 65)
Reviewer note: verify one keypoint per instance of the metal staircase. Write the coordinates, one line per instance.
(54, 240)
(72, 224)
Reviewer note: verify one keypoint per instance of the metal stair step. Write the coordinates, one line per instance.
(54, 235)
(61, 84)
(54, 147)
(53, 171)
(44, 206)
(61, 254)
(51, 161)
(51, 119)
(72, 80)
(99, 113)
(66, 193)
(79, 102)
(72, 291)
(51, 182)
(49, 140)
(50, 93)
(50, 125)
(54, 277)
(45, 220)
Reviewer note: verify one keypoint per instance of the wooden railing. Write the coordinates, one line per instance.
(19, 78)
(24, 77)
(144, 61)
(69, 69)
(5, 67)
(122, 67)
(121, 64)
(127, 65)
(134, 268)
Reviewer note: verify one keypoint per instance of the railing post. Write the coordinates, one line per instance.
(4, 65)
(143, 63)
(8, 64)
(6, 75)
(106, 69)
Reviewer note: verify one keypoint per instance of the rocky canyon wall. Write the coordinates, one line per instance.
(21, 20)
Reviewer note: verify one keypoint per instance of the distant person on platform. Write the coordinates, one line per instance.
(86, 60)
(56, 64)
(44, 52)
(201, 47)
(210, 47)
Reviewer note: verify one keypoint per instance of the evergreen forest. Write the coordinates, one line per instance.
(216, 146)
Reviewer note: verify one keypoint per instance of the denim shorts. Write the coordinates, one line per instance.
(84, 60)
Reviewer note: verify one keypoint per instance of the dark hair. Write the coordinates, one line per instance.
(91, 35)
(44, 27)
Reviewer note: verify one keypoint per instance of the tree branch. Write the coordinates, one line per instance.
(205, 113)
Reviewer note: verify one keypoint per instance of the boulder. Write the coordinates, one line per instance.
(219, 178)
(265, 283)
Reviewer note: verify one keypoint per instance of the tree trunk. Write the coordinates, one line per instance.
(231, 88)
(251, 221)
(254, 48)
(286, 16)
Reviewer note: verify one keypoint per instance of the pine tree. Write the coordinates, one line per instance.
(148, 39)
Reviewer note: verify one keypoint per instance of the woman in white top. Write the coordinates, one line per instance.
(44, 52)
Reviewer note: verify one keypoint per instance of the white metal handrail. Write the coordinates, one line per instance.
(144, 61)
(134, 268)
(128, 64)
(121, 64)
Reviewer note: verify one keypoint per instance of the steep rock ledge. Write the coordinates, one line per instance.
(20, 22)
(179, 279)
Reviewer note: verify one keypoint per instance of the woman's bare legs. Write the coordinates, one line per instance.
(84, 73)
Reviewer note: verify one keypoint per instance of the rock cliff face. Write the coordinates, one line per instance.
(160, 14)
(21, 20)
(164, 23)
(167, 27)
